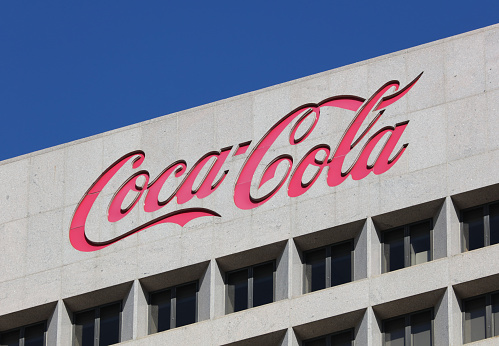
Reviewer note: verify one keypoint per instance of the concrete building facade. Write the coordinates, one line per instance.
(327, 165)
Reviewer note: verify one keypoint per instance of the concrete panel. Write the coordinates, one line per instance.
(233, 122)
(41, 288)
(493, 117)
(329, 302)
(46, 182)
(430, 89)
(427, 144)
(159, 141)
(282, 289)
(311, 90)
(43, 245)
(271, 339)
(464, 66)
(491, 58)
(455, 318)
(318, 213)
(83, 165)
(470, 265)
(128, 313)
(14, 237)
(441, 320)
(250, 323)
(385, 69)
(14, 198)
(271, 226)
(269, 107)
(467, 132)
(361, 255)
(440, 231)
(374, 249)
(196, 134)
(141, 324)
(395, 285)
(231, 237)
(411, 189)
(464, 175)
(351, 80)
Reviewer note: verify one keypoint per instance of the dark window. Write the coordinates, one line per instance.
(99, 326)
(250, 287)
(173, 307)
(407, 245)
(414, 329)
(329, 266)
(480, 226)
(343, 338)
(481, 317)
(32, 335)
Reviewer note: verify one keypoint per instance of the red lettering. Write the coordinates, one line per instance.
(335, 174)
(77, 235)
(152, 202)
(186, 190)
(243, 198)
(242, 194)
(116, 212)
(361, 168)
(296, 185)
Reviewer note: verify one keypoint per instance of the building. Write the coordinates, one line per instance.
(285, 216)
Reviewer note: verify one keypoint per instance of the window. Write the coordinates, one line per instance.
(173, 307)
(250, 287)
(32, 335)
(328, 266)
(407, 245)
(414, 329)
(99, 326)
(343, 338)
(480, 226)
(481, 317)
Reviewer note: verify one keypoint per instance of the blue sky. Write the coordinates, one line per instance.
(69, 69)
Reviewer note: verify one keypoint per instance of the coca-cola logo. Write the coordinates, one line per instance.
(140, 184)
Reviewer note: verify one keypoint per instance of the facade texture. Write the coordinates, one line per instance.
(372, 256)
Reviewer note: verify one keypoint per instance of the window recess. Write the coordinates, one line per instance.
(98, 326)
(30, 335)
(250, 287)
(329, 266)
(343, 338)
(414, 329)
(480, 226)
(407, 245)
(173, 307)
(481, 317)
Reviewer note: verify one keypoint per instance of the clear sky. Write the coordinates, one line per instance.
(72, 69)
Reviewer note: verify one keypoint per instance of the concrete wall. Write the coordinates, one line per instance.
(452, 162)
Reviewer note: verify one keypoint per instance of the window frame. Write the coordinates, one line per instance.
(97, 321)
(329, 337)
(486, 224)
(173, 306)
(408, 326)
(22, 332)
(250, 284)
(407, 244)
(328, 257)
(489, 320)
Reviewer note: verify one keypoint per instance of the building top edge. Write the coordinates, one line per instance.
(251, 93)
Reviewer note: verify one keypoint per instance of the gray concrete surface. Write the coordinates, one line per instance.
(451, 163)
